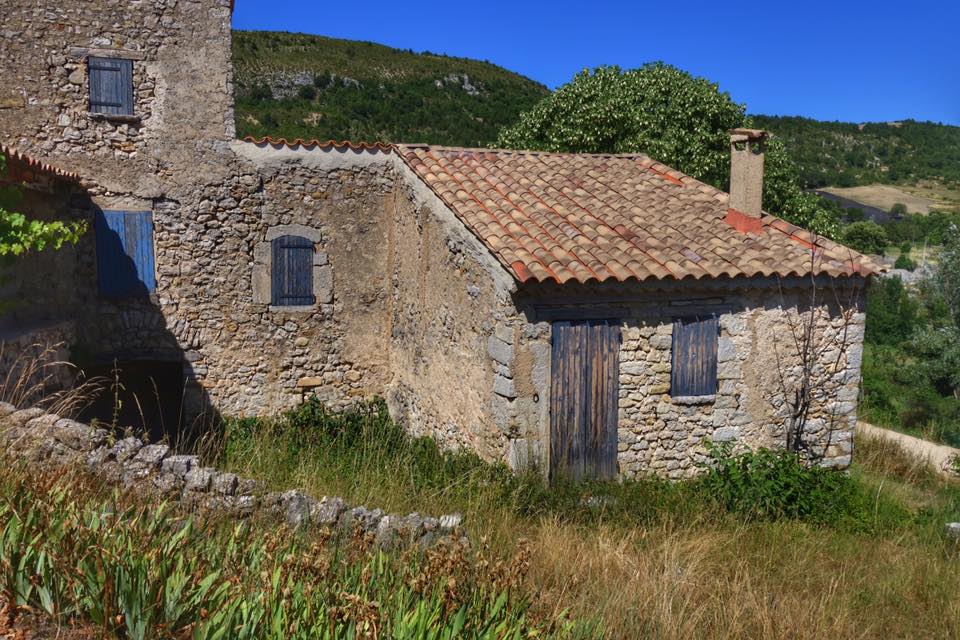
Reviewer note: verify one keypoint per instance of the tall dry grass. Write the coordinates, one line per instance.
(34, 378)
(761, 580)
(659, 561)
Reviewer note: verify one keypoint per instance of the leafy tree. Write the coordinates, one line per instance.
(903, 260)
(898, 209)
(892, 314)
(865, 237)
(19, 234)
(679, 119)
(937, 346)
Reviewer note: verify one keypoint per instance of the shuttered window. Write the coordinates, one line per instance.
(694, 368)
(125, 265)
(292, 277)
(111, 86)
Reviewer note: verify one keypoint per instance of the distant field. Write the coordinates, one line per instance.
(884, 196)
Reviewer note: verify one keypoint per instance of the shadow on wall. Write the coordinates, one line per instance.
(147, 379)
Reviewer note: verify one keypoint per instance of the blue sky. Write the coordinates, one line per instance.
(854, 61)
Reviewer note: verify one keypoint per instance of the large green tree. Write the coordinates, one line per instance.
(677, 118)
(19, 234)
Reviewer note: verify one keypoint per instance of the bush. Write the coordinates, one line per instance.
(903, 261)
(865, 237)
(770, 484)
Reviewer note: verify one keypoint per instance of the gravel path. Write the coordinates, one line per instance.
(938, 455)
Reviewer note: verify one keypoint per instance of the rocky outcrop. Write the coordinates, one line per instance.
(47, 439)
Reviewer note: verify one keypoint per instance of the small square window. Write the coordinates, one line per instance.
(292, 278)
(111, 86)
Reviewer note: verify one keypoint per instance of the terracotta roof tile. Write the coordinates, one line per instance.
(28, 164)
(583, 217)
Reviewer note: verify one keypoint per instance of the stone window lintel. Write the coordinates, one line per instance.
(114, 117)
(693, 400)
(125, 54)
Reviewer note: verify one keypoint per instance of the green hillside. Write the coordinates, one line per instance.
(843, 154)
(296, 85)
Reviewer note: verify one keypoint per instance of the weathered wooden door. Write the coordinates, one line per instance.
(583, 399)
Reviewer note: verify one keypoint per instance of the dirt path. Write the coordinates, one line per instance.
(939, 456)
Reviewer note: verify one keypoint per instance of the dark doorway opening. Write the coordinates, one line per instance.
(143, 395)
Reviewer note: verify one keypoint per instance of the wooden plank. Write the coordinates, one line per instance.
(584, 399)
(694, 356)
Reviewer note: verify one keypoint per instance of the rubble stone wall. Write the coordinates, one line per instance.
(46, 439)
(666, 435)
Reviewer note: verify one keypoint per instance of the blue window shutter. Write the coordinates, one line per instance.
(125, 263)
(111, 85)
(292, 271)
(694, 357)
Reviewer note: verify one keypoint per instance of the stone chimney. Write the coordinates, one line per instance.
(746, 170)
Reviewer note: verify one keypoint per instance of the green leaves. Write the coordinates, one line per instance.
(19, 234)
(672, 116)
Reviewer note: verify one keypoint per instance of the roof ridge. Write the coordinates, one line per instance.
(12, 153)
(528, 152)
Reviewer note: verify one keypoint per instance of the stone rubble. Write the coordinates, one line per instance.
(39, 437)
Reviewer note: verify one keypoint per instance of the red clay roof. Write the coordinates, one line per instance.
(317, 144)
(579, 217)
(19, 166)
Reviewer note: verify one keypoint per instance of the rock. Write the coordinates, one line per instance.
(78, 436)
(126, 449)
(327, 512)
(198, 479)
(725, 434)
(297, 508)
(41, 424)
(953, 530)
(246, 505)
(6, 409)
(167, 483)
(179, 465)
(500, 350)
(388, 530)
(503, 386)
(98, 457)
(225, 484)
(23, 416)
(450, 522)
(151, 455)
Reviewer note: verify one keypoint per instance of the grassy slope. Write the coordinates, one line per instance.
(843, 154)
(653, 559)
(367, 91)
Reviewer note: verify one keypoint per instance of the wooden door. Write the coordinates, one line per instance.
(583, 399)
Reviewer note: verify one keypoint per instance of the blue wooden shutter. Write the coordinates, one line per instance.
(125, 264)
(292, 277)
(694, 368)
(111, 86)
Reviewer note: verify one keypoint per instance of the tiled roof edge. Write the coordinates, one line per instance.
(39, 165)
(319, 144)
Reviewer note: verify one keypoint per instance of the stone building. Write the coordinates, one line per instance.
(592, 314)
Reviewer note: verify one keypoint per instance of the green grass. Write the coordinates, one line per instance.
(75, 552)
(758, 547)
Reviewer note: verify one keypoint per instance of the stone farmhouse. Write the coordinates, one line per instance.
(595, 315)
